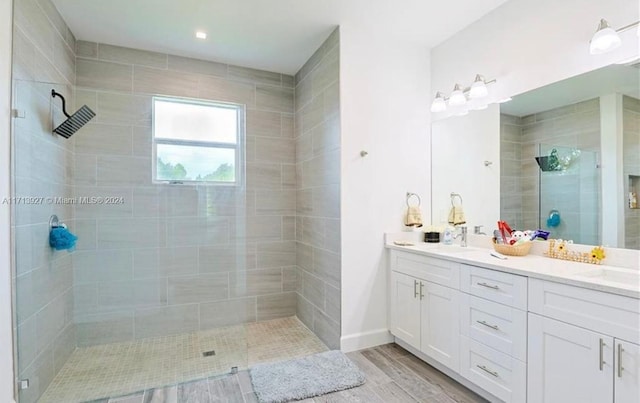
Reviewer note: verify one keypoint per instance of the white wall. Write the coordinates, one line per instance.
(6, 325)
(460, 146)
(526, 44)
(384, 97)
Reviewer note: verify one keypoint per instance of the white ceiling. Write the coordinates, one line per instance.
(274, 35)
(607, 80)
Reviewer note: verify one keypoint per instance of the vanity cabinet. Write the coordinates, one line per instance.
(577, 345)
(568, 363)
(520, 339)
(627, 372)
(424, 314)
(405, 308)
(440, 324)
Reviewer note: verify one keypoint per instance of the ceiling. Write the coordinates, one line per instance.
(274, 35)
(615, 78)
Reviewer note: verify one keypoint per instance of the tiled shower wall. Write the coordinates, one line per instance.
(179, 258)
(631, 163)
(576, 126)
(43, 59)
(317, 132)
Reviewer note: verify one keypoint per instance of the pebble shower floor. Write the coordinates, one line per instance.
(121, 368)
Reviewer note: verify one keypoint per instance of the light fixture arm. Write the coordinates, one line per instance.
(628, 27)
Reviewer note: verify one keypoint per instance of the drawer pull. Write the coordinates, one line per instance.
(415, 289)
(421, 291)
(493, 287)
(482, 322)
(620, 368)
(488, 371)
(602, 362)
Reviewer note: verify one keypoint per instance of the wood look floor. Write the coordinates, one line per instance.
(393, 375)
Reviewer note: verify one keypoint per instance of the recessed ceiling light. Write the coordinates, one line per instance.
(201, 35)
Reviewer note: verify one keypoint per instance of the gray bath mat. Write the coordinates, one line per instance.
(306, 377)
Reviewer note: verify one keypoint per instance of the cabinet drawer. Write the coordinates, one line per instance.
(609, 314)
(498, 326)
(499, 374)
(505, 288)
(437, 271)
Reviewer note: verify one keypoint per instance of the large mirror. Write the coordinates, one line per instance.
(564, 158)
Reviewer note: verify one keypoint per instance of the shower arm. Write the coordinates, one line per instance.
(64, 102)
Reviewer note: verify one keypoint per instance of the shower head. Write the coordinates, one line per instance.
(73, 122)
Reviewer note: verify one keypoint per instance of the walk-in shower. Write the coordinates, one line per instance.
(196, 253)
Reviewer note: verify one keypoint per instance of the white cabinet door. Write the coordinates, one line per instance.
(627, 367)
(440, 319)
(568, 363)
(405, 308)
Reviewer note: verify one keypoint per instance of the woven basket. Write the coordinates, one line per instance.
(511, 250)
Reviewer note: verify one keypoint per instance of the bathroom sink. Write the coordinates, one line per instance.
(613, 275)
(440, 248)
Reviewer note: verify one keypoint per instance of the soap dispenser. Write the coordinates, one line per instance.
(447, 237)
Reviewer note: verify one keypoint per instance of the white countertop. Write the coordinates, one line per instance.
(535, 266)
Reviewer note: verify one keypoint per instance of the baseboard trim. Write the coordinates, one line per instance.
(448, 372)
(359, 341)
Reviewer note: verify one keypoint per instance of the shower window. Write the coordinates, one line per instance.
(197, 141)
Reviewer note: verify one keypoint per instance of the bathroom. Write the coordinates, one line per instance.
(186, 269)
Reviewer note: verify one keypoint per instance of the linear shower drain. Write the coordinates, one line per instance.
(209, 353)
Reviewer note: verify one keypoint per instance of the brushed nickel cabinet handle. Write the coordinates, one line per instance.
(493, 287)
(602, 362)
(620, 368)
(488, 371)
(415, 289)
(482, 322)
(421, 290)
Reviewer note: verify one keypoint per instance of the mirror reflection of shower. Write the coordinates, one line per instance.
(569, 193)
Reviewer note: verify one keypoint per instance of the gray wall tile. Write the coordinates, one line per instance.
(131, 56)
(200, 288)
(276, 306)
(103, 75)
(318, 140)
(255, 282)
(163, 321)
(197, 66)
(227, 313)
(277, 99)
(87, 49)
(104, 328)
(254, 76)
(164, 82)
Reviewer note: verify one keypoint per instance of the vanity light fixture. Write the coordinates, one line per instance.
(478, 88)
(439, 103)
(201, 35)
(607, 39)
(457, 97)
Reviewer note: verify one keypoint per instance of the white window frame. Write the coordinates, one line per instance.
(238, 146)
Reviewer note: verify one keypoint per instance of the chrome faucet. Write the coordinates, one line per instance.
(477, 230)
(463, 236)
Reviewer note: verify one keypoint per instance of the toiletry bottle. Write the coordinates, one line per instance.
(633, 199)
(447, 237)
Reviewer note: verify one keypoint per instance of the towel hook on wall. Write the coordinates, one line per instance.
(54, 222)
(410, 195)
(453, 196)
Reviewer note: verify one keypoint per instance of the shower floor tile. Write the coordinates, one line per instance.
(121, 368)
